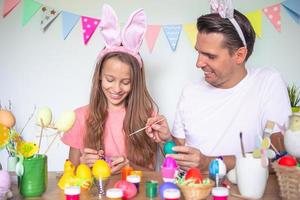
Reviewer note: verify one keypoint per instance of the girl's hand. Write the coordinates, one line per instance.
(160, 131)
(118, 162)
(90, 156)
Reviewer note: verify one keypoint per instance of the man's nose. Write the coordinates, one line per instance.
(200, 61)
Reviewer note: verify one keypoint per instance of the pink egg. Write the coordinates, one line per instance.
(4, 180)
(129, 189)
(170, 162)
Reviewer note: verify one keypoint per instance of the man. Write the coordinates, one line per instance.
(230, 100)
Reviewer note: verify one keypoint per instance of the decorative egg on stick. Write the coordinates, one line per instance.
(64, 123)
(169, 169)
(7, 118)
(292, 135)
(101, 171)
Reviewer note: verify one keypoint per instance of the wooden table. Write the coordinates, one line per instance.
(55, 193)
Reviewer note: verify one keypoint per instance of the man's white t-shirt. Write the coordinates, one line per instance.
(211, 119)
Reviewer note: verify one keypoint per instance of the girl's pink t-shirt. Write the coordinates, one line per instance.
(114, 136)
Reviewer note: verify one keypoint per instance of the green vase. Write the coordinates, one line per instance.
(33, 182)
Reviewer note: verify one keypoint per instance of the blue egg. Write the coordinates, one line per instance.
(166, 185)
(168, 147)
(217, 166)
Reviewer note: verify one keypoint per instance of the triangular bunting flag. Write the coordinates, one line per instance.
(256, 20)
(293, 9)
(48, 16)
(191, 30)
(172, 33)
(273, 14)
(30, 7)
(89, 26)
(151, 35)
(69, 20)
(9, 5)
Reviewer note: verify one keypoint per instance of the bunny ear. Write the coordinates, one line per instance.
(109, 27)
(134, 31)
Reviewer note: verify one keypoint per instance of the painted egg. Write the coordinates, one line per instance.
(217, 166)
(170, 163)
(129, 189)
(5, 181)
(288, 161)
(168, 147)
(164, 186)
(44, 115)
(65, 121)
(7, 118)
(83, 172)
(194, 173)
(231, 175)
(101, 169)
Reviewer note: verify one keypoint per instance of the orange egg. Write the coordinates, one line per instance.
(7, 118)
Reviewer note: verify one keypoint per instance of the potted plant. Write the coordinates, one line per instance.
(294, 95)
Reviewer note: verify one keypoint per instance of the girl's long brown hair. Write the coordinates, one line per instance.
(141, 150)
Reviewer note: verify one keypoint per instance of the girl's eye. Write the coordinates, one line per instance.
(127, 82)
(109, 79)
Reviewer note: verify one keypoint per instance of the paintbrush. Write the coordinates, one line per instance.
(242, 144)
(135, 132)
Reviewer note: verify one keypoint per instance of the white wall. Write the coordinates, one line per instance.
(42, 69)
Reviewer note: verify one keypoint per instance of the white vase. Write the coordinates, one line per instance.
(11, 163)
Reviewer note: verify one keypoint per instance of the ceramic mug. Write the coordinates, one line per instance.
(251, 176)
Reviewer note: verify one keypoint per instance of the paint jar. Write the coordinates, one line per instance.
(137, 172)
(220, 193)
(171, 194)
(114, 194)
(135, 179)
(125, 172)
(72, 193)
(151, 189)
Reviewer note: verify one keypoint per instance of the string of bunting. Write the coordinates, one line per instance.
(172, 32)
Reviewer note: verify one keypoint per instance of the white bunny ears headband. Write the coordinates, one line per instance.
(225, 10)
(129, 40)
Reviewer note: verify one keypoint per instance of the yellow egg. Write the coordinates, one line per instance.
(44, 114)
(7, 118)
(4, 136)
(65, 121)
(101, 169)
(83, 171)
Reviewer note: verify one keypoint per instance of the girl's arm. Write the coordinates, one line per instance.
(74, 156)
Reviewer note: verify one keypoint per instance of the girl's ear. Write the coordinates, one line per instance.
(240, 55)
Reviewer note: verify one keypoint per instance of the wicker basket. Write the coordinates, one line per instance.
(288, 180)
(196, 192)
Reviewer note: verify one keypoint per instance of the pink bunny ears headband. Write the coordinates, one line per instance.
(225, 10)
(129, 40)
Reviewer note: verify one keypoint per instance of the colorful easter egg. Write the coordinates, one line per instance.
(65, 121)
(44, 115)
(7, 118)
(170, 163)
(194, 173)
(168, 147)
(5, 181)
(101, 169)
(129, 189)
(288, 161)
(217, 166)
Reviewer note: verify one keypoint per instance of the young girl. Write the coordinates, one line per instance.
(119, 102)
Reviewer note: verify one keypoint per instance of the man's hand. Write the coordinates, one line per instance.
(160, 131)
(188, 157)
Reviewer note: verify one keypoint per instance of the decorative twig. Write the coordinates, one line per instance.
(242, 145)
(58, 132)
(29, 118)
(9, 105)
(144, 128)
(41, 135)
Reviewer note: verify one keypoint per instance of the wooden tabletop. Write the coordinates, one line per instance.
(55, 193)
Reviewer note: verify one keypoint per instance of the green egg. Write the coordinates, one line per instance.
(168, 147)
